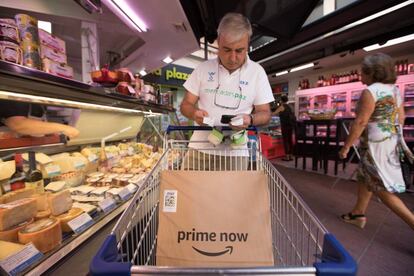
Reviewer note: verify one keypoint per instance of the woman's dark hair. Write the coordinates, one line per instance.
(284, 99)
(379, 67)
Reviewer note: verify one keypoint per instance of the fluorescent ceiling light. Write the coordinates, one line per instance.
(308, 65)
(45, 25)
(167, 60)
(62, 102)
(142, 72)
(282, 73)
(390, 42)
(129, 14)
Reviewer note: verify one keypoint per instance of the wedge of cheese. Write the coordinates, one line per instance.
(45, 234)
(60, 202)
(16, 195)
(41, 201)
(9, 248)
(16, 212)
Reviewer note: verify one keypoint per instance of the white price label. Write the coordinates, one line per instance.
(107, 205)
(130, 151)
(52, 170)
(79, 164)
(124, 194)
(19, 261)
(92, 157)
(110, 155)
(80, 223)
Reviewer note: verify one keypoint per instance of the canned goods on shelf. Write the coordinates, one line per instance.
(23, 20)
(11, 52)
(9, 32)
(29, 34)
(32, 59)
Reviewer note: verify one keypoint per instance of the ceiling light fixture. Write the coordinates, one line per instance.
(167, 60)
(305, 66)
(281, 73)
(389, 43)
(123, 9)
(142, 72)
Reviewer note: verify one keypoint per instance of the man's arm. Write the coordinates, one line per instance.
(188, 108)
(27, 126)
(261, 116)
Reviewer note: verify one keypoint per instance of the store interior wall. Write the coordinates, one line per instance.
(312, 75)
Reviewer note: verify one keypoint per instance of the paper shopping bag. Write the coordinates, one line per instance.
(219, 218)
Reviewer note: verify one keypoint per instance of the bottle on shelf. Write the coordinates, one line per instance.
(34, 178)
(18, 178)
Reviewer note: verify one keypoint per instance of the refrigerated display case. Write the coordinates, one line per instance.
(344, 97)
(98, 117)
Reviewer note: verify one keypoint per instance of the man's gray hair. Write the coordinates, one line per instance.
(234, 26)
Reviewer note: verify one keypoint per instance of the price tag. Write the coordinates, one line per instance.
(130, 151)
(19, 261)
(79, 164)
(92, 157)
(131, 187)
(80, 223)
(52, 170)
(107, 205)
(124, 194)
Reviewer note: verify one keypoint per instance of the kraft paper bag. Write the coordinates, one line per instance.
(214, 219)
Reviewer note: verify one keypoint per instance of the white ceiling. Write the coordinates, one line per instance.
(140, 50)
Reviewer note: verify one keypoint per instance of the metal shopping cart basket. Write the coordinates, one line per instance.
(301, 244)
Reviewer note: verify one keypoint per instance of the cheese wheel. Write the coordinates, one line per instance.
(60, 203)
(42, 214)
(16, 212)
(45, 234)
(9, 248)
(68, 216)
(11, 234)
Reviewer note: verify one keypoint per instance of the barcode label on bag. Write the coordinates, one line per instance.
(170, 201)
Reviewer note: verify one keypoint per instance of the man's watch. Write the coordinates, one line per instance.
(251, 119)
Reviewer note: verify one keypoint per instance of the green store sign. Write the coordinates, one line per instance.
(170, 74)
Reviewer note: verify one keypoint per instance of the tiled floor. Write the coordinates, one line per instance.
(384, 247)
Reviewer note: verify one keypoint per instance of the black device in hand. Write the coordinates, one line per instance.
(225, 119)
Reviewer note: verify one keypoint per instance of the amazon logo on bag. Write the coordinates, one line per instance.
(199, 236)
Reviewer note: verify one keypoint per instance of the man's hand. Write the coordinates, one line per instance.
(199, 115)
(246, 122)
(71, 132)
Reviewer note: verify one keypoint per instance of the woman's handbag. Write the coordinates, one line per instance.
(406, 157)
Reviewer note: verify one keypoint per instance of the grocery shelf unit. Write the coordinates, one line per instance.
(20, 83)
(344, 98)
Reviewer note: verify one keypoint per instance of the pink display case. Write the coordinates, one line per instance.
(344, 97)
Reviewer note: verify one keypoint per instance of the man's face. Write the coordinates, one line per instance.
(232, 54)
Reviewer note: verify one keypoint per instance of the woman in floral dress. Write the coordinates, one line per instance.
(379, 172)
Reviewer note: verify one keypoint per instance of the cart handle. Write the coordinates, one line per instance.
(335, 259)
(193, 128)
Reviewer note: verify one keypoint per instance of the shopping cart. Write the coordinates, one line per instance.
(301, 245)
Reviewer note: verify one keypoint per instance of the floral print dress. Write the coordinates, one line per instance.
(380, 166)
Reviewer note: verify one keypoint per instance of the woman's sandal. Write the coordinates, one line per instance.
(357, 220)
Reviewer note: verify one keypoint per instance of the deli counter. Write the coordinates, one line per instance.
(87, 181)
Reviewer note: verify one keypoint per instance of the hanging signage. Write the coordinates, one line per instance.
(280, 88)
(170, 74)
